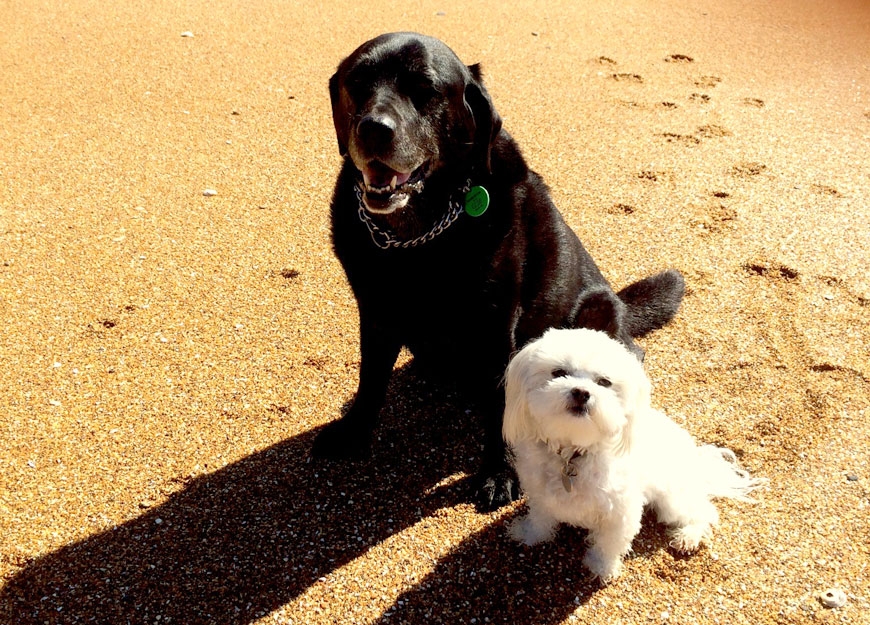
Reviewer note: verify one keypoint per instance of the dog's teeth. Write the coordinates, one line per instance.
(393, 183)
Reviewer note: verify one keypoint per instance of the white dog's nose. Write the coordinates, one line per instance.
(579, 398)
(579, 395)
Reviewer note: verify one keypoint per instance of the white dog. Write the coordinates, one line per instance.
(591, 451)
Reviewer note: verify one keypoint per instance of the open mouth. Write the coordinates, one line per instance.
(386, 190)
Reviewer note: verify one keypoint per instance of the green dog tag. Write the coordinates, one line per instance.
(476, 201)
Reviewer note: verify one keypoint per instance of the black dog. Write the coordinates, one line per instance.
(452, 246)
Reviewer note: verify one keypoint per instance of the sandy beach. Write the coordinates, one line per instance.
(176, 329)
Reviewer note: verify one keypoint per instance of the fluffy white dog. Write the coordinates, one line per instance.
(591, 451)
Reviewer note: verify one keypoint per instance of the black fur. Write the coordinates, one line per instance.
(466, 300)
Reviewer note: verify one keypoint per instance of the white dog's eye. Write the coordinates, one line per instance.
(558, 373)
(604, 382)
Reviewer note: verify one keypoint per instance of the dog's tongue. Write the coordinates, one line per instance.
(378, 175)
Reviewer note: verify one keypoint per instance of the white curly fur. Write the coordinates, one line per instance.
(581, 390)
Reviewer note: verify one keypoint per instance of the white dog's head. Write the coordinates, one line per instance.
(577, 388)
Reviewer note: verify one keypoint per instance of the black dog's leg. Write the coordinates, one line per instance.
(497, 481)
(351, 436)
(600, 309)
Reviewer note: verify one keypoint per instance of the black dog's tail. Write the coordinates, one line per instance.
(652, 302)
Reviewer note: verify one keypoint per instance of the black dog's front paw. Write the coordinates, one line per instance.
(343, 440)
(496, 490)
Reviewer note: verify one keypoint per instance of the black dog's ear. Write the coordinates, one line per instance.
(487, 122)
(339, 115)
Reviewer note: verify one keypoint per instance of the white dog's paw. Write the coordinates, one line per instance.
(605, 568)
(526, 531)
(687, 539)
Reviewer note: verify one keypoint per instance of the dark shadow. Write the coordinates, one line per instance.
(489, 578)
(234, 545)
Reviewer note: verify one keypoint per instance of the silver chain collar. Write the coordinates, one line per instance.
(384, 239)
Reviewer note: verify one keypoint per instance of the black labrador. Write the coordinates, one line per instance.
(451, 244)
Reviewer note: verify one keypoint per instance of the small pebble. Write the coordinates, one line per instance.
(209, 192)
(187, 33)
(833, 598)
(852, 477)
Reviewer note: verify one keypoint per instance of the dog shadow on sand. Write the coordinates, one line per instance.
(234, 545)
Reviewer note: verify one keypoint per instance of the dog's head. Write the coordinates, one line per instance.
(577, 388)
(406, 109)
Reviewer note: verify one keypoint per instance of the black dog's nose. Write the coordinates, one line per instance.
(376, 130)
(579, 396)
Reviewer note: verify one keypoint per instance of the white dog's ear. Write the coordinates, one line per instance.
(637, 404)
(517, 423)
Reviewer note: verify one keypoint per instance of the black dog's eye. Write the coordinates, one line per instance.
(558, 373)
(419, 89)
(359, 84)
(421, 96)
(604, 382)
